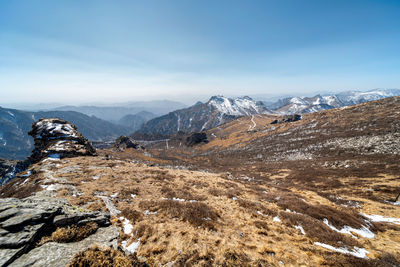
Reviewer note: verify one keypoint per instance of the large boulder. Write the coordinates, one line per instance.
(58, 138)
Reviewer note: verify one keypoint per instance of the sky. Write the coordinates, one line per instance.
(76, 51)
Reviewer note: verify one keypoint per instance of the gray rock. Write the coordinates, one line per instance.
(24, 221)
(9, 255)
(60, 254)
(21, 238)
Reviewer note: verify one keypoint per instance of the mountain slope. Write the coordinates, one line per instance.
(135, 121)
(201, 116)
(303, 105)
(15, 143)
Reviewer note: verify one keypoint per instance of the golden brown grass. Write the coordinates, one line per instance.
(231, 220)
(105, 257)
(72, 233)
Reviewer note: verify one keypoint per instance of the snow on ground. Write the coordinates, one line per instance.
(397, 203)
(364, 231)
(51, 187)
(276, 219)
(380, 218)
(356, 252)
(147, 212)
(299, 227)
(178, 199)
(132, 247)
(260, 213)
(96, 177)
(128, 227)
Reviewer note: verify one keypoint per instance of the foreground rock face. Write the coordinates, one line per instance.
(24, 221)
(58, 138)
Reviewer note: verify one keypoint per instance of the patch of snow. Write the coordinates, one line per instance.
(380, 218)
(133, 195)
(51, 187)
(132, 247)
(178, 199)
(114, 195)
(51, 158)
(276, 219)
(235, 198)
(299, 227)
(147, 212)
(364, 231)
(397, 203)
(356, 252)
(96, 177)
(260, 213)
(128, 227)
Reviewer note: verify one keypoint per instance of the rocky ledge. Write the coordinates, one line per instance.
(58, 138)
(25, 223)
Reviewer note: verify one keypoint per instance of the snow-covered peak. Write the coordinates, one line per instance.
(237, 107)
(316, 103)
(355, 97)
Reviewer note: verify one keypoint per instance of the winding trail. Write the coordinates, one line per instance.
(251, 127)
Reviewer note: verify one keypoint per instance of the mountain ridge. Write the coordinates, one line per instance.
(202, 116)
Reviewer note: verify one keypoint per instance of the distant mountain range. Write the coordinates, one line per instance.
(114, 113)
(15, 143)
(291, 105)
(201, 116)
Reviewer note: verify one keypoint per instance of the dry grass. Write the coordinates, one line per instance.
(72, 233)
(197, 214)
(105, 257)
(241, 230)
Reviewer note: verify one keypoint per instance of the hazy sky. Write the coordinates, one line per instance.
(83, 51)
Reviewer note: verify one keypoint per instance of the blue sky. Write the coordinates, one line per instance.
(85, 51)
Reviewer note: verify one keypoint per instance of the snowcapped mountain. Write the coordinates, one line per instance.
(237, 107)
(293, 105)
(201, 116)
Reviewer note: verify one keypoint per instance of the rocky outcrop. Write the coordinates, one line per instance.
(196, 138)
(24, 221)
(124, 142)
(288, 118)
(58, 138)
